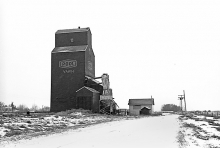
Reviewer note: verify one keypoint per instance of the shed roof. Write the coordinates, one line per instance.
(141, 101)
(94, 80)
(73, 30)
(70, 49)
(88, 88)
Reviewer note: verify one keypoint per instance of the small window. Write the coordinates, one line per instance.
(136, 107)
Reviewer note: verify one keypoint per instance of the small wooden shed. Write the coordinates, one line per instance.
(143, 106)
(88, 99)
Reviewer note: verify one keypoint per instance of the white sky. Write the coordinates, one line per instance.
(149, 47)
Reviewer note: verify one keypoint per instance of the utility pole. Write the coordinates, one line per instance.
(181, 98)
(184, 99)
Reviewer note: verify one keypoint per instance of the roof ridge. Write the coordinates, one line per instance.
(141, 101)
(70, 48)
(91, 89)
(72, 30)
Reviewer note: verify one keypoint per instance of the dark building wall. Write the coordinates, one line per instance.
(86, 97)
(89, 38)
(90, 57)
(96, 101)
(90, 63)
(84, 102)
(65, 81)
(71, 39)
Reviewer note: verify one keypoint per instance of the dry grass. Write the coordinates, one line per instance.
(181, 139)
(17, 132)
(13, 133)
(217, 128)
(216, 117)
(190, 125)
(216, 137)
(1, 122)
(69, 112)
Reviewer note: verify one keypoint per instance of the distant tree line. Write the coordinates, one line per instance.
(170, 107)
(21, 108)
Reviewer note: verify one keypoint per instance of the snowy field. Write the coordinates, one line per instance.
(200, 132)
(17, 127)
(155, 132)
(77, 129)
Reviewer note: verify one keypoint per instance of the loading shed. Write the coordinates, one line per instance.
(141, 106)
(88, 99)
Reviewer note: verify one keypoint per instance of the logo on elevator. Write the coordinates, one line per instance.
(89, 65)
(67, 63)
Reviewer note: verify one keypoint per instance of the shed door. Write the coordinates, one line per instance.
(84, 103)
(145, 111)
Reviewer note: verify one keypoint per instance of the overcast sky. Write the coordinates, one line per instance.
(149, 47)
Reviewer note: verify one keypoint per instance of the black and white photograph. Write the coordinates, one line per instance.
(109, 74)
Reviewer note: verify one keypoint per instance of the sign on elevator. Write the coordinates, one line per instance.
(67, 63)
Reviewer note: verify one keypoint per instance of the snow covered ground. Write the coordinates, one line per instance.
(80, 129)
(14, 127)
(154, 132)
(201, 131)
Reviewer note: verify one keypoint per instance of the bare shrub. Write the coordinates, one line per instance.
(216, 117)
(218, 128)
(1, 122)
(22, 108)
(216, 137)
(216, 124)
(34, 107)
(181, 139)
(82, 122)
(13, 132)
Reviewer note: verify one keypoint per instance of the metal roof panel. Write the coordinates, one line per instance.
(70, 49)
(72, 30)
(141, 101)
